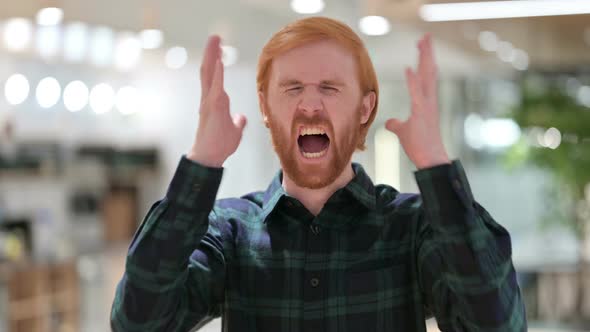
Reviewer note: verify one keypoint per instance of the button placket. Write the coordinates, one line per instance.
(196, 187)
(313, 288)
(314, 282)
(315, 229)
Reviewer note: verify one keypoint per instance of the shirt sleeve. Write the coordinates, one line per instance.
(175, 268)
(464, 257)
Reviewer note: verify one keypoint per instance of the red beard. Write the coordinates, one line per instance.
(313, 176)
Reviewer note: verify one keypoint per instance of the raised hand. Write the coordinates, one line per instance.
(219, 133)
(420, 134)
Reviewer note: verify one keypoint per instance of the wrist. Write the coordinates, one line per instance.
(432, 162)
(200, 158)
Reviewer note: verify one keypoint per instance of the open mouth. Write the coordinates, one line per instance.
(313, 142)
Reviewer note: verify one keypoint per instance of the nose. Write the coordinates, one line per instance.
(311, 100)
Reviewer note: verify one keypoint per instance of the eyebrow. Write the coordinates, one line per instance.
(291, 82)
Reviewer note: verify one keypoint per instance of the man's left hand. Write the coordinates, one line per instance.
(420, 134)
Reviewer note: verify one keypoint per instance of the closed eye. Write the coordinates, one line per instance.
(294, 89)
(329, 88)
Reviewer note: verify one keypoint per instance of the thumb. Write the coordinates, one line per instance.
(394, 125)
(239, 121)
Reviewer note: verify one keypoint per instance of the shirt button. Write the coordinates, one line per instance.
(315, 229)
(196, 187)
(289, 204)
(314, 282)
(457, 184)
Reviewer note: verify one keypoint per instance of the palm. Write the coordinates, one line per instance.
(420, 134)
(228, 135)
(219, 134)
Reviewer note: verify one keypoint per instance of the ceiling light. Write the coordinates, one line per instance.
(151, 38)
(127, 51)
(48, 92)
(229, 55)
(75, 96)
(101, 46)
(488, 41)
(307, 6)
(374, 25)
(17, 33)
(75, 41)
(47, 40)
(502, 9)
(520, 60)
(102, 98)
(176, 57)
(505, 51)
(50, 16)
(16, 89)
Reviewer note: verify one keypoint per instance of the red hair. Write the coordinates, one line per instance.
(314, 29)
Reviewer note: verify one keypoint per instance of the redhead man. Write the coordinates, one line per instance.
(322, 248)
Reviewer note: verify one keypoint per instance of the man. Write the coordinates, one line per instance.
(322, 249)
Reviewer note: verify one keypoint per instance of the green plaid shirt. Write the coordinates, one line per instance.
(372, 260)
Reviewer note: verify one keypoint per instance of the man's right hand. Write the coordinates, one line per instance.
(218, 133)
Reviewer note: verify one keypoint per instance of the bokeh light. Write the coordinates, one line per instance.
(374, 25)
(75, 96)
(176, 57)
(102, 98)
(49, 16)
(307, 6)
(48, 92)
(16, 89)
(18, 33)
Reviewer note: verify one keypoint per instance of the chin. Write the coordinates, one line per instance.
(316, 172)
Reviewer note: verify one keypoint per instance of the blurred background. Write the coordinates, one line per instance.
(100, 100)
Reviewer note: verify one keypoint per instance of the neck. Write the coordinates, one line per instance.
(315, 199)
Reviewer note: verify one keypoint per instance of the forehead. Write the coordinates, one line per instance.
(313, 62)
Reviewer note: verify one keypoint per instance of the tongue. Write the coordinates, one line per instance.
(313, 143)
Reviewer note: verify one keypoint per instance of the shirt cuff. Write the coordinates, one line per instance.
(194, 186)
(445, 192)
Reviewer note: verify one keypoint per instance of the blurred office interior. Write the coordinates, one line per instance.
(100, 100)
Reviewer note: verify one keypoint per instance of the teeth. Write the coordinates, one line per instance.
(314, 154)
(312, 131)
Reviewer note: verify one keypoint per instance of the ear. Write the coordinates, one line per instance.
(263, 109)
(367, 106)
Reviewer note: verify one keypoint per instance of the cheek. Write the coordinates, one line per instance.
(282, 106)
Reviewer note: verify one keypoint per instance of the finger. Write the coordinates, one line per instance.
(217, 82)
(240, 121)
(422, 60)
(421, 55)
(416, 95)
(428, 75)
(394, 125)
(212, 53)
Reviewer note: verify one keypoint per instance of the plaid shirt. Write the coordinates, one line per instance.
(372, 260)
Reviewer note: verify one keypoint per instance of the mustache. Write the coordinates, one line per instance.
(314, 120)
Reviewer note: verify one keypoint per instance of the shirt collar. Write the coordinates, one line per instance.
(360, 187)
